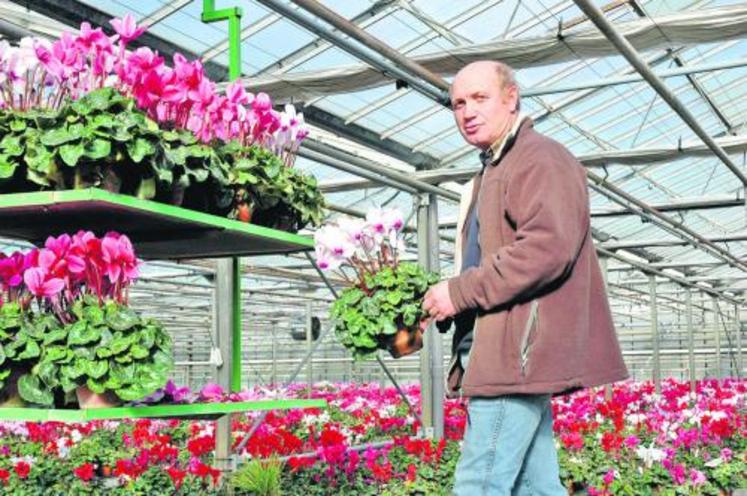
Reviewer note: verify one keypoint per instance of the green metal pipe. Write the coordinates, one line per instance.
(233, 16)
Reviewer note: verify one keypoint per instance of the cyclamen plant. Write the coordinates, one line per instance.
(365, 246)
(38, 74)
(68, 268)
(383, 305)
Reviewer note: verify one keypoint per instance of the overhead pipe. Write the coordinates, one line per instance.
(346, 161)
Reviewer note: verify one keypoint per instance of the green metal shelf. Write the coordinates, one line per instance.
(158, 230)
(203, 411)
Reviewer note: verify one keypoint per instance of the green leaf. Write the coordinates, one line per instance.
(2, 355)
(121, 318)
(94, 314)
(100, 99)
(67, 384)
(103, 352)
(122, 373)
(121, 134)
(84, 353)
(131, 393)
(55, 336)
(98, 149)
(83, 334)
(47, 372)
(95, 386)
(139, 149)
(72, 371)
(17, 125)
(118, 345)
(103, 120)
(32, 351)
(56, 137)
(138, 352)
(127, 358)
(97, 369)
(7, 167)
(33, 391)
(11, 145)
(57, 353)
(147, 337)
(70, 153)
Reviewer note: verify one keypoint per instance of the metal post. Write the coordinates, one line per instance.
(656, 364)
(224, 304)
(309, 343)
(431, 358)
(717, 330)
(605, 276)
(274, 354)
(738, 323)
(236, 360)
(690, 338)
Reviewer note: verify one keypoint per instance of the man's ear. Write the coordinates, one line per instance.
(511, 95)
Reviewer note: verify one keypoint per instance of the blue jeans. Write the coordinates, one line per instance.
(509, 449)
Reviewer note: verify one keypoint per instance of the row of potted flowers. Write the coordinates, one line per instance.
(635, 443)
(85, 111)
(66, 327)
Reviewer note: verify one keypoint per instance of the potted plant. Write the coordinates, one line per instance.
(382, 307)
(74, 334)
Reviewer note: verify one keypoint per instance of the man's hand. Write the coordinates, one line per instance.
(437, 302)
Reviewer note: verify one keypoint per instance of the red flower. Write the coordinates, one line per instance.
(177, 476)
(84, 472)
(22, 469)
(412, 472)
(611, 441)
(4, 475)
(201, 445)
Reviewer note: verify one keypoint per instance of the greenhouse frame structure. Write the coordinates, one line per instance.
(646, 94)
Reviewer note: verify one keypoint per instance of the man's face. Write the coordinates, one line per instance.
(483, 110)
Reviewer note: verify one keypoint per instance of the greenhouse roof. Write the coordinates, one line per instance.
(577, 87)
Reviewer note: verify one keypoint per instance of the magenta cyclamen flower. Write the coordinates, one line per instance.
(212, 392)
(121, 265)
(40, 284)
(126, 28)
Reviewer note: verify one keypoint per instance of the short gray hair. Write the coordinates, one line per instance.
(505, 74)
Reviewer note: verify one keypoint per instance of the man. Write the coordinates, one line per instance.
(531, 283)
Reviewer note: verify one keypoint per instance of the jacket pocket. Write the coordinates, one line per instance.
(528, 336)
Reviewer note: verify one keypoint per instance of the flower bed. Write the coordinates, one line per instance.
(634, 444)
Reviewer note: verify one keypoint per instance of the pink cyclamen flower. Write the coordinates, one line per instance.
(119, 258)
(697, 477)
(40, 284)
(727, 454)
(212, 392)
(609, 477)
(126, 28)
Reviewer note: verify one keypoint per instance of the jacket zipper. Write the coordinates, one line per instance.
(531, 324)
